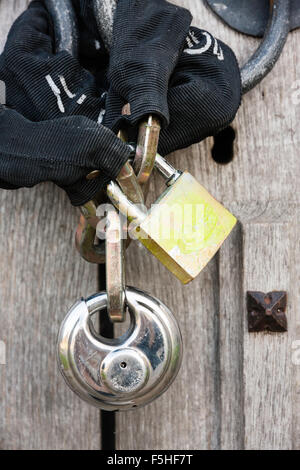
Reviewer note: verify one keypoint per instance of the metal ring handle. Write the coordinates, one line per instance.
(266, 56)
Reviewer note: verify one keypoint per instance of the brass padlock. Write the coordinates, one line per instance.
(184, 228)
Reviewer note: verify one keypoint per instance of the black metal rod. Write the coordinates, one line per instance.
(66, 38)
(108, 418)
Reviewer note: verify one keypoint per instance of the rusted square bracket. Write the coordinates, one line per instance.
(266, 312)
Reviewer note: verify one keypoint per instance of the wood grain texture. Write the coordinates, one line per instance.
(231, 342)
(267, 357)
(235, 390)
(294, 318)
(191, 404)
(41, 276)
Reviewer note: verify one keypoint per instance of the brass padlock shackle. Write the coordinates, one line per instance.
(146, 149)
(112, 251)
(86, 233)
(133, 212)
(115, 269)
(131, 184)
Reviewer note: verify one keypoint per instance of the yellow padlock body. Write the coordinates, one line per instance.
(185, 228)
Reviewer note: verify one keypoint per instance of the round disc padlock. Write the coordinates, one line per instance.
(126, 372)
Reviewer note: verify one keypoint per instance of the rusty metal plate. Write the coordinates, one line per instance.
(250, 17)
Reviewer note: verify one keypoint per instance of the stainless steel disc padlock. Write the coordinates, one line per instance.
(126, 372)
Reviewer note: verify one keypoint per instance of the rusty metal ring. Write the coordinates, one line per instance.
(269, 51)
(274, 38)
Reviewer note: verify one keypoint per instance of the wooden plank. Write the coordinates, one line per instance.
(211, 395)
(294, 318)
(259, 398)
(267, 360)
(41, 276)
(8, 13)
(235, 390)
(231, 324)
(191, 402)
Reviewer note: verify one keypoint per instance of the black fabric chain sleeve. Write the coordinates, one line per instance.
(60, 138)
(62, 150)
(43, 142)
(92, 53)
(40, 84)
(148, 37)
(203, 97)
(204, 93)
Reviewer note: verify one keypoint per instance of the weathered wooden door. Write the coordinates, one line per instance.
(236, 389)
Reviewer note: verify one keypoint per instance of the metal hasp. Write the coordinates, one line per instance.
(86, 230)
(266, 312)
(251, 17)
(267, 54)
